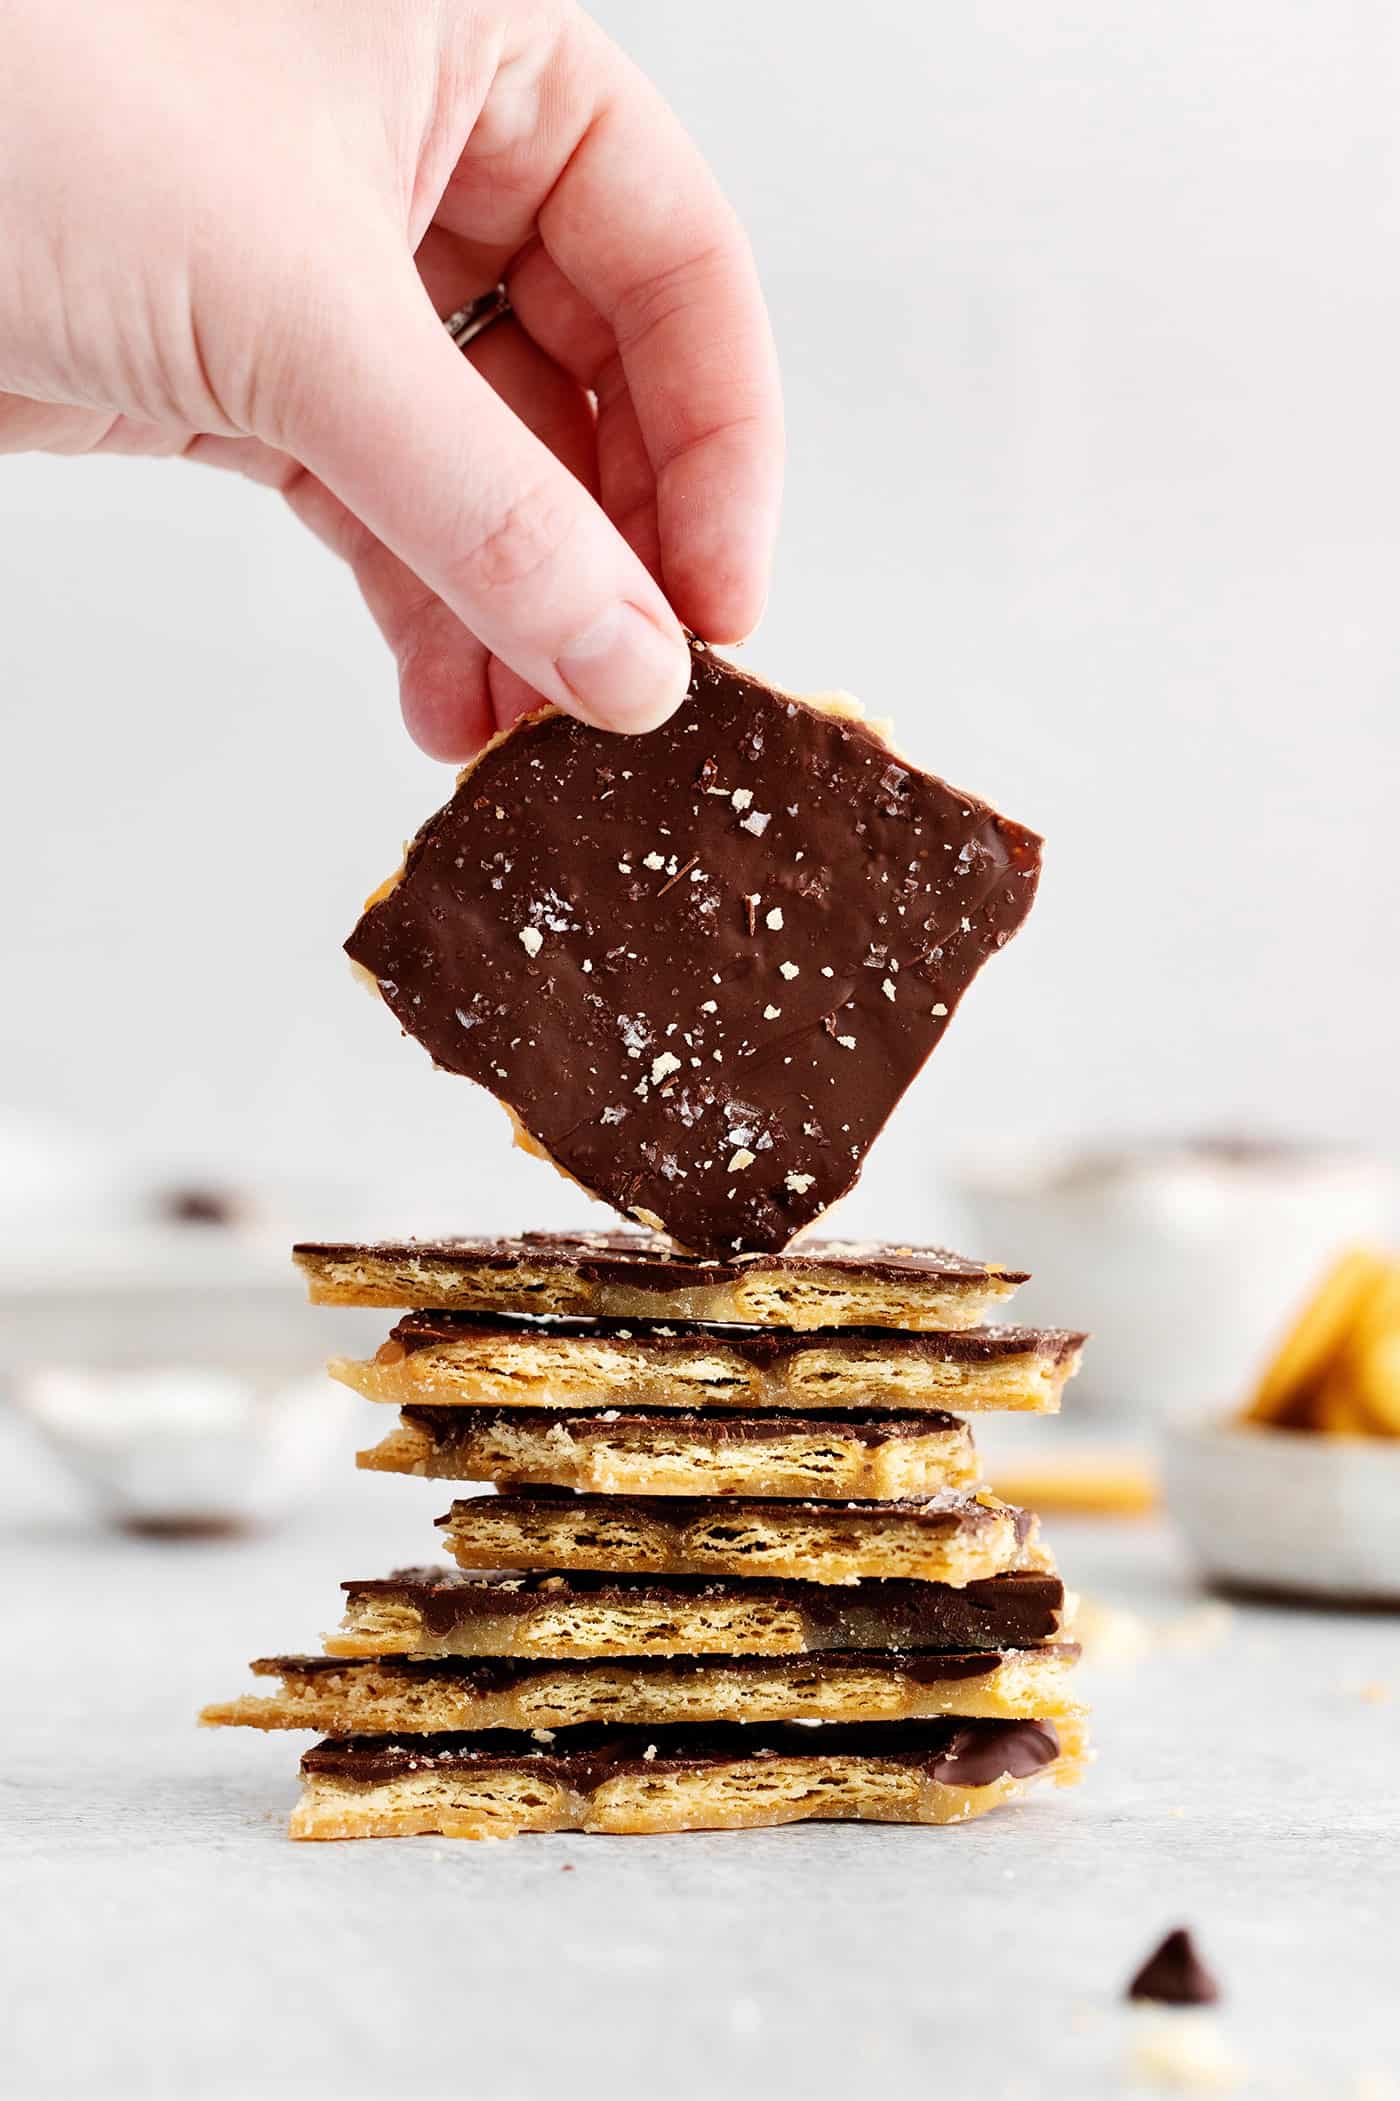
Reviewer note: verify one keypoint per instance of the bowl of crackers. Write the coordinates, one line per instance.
(1298, 1495)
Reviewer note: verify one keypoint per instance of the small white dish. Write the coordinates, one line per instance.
(1289, 1511)
(1183, 1260)
(185, 1450)
(175, 1371)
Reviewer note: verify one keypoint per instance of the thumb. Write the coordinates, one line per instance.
(396, 422)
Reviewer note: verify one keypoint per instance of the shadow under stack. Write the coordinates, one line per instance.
(737, 1571)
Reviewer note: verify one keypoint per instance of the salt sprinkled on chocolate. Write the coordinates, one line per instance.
(553, 924)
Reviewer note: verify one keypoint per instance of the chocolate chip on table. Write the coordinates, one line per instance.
(1174, 1975)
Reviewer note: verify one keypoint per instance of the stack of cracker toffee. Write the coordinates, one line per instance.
(737, 1570)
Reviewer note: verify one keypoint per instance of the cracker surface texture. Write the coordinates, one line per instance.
(385, 1695)
(483, 1360)
(639, 1276)
(719, 1454)
(436, 1612)
(941, 1539)
(937, 1772)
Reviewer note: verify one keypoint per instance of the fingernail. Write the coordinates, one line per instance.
(624, 673)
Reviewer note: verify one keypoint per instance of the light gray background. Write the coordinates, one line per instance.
(1090, 330)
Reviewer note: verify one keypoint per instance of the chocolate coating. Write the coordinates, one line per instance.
(495, 1674)
(447, 1426)
(1009, 1611)
(758, 1346)
(703, 965)
(948, 1511)
(959, 1753)
(646, 1262)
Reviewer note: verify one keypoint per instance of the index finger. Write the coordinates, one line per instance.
(636, 221)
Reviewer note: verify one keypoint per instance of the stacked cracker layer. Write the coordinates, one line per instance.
(737, 1570)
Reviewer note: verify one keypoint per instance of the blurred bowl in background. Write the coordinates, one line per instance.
(1184, 1260)
(185, 1451)
(1289, 1512)
(175, 1368)
(162, 1295)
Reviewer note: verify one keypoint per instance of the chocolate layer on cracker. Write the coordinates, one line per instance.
(701, 966)
(732, 1776)
(482, 1360)
(760, 1346)
(826, 1284)
(718, 1452)
(337, 1696)
(948, 1538)
(448, 1611)
(715, 1426)
(965, 1753)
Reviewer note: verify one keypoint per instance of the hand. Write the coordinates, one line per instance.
(227, 231)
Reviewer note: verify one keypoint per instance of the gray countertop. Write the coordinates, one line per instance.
(161, 1937)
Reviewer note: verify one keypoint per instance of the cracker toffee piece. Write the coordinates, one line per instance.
(336, 1697)
(447, 1612)
(485, 1360)
(700, 967)
(943, 1539)
(718, 1453)
(637, 1276)
(722, 1778)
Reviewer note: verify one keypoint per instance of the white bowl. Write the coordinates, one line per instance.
(164, 1295)
(1289, 1510)
(1184, 1262)
(176, 1371)
(185, 1450)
